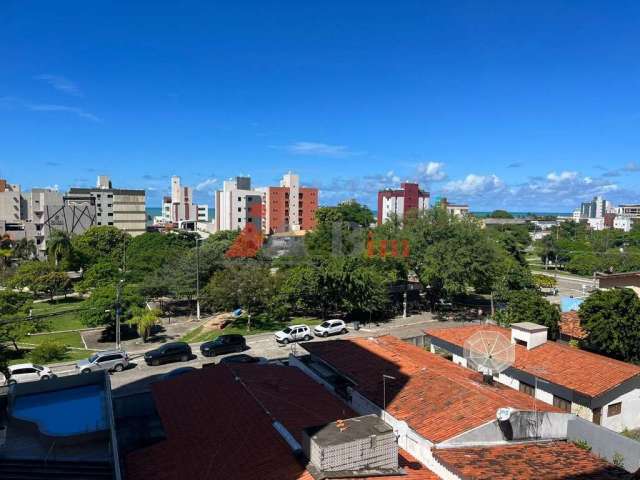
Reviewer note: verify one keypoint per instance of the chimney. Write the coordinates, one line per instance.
(356, 447)
(528, 334)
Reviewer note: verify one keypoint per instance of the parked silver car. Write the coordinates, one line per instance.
(113, 361)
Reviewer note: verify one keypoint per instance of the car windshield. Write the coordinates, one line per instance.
(93, 358)
(325, 324)
(287, 330)
(38, 367)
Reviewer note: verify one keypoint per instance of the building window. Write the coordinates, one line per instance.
(521, 342)
(562, 404)
(528, 389)
(597, 415)
(99, 223)
(249, 219)
(239, 209)
(614, 409)
(110, 223)
(110, 214)
(239, 199)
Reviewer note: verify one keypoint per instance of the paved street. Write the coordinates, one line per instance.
(569, 285)
(140, 375)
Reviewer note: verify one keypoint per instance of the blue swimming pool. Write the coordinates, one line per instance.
(72, 411)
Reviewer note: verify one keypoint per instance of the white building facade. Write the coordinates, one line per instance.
(237, 205)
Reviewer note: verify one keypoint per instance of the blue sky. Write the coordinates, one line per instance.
(502, 104)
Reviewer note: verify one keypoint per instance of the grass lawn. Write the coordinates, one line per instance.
(23, 356)
(70, 339)
(65, 318)
(239, 326)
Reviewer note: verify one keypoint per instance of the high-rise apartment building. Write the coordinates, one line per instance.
(237, 205)
(122, 208)
(180, 209)
(397, 203)
(289, 207)
(35, 215)
(596, 208)
(12, 205)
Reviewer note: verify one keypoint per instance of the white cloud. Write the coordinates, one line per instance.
(562, 177)
(632, 167)
(475, 185)
(61, 84)
(432, 171)
(319, 149)
(206, 185)
(63, 108)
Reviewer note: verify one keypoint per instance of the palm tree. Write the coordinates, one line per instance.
(58, 246)
(6, 251)
(25, 249)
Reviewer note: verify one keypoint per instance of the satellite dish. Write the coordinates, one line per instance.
(489, 352)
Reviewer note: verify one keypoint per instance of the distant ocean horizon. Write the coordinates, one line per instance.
(156, 212)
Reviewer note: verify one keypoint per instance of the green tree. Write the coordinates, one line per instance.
(39, 277)
(611, 319)
(544, 281)
(530, 306)
(99, 308)
(100, 244)
(500, 214)
(25, 249)
(241, 284)
(14, 308)
(340, 230)
(59, 247)
(451, 255)
(96, 275)
(48, 351)
(144, 321)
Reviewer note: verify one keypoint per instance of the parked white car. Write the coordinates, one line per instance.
(330, 327)
(112, 361)
(28, 372)
(293, 333)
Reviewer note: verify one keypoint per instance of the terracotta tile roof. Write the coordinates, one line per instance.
(437, 398)
(549, 461)
(216, 426)
(579, 370)
(570, 325)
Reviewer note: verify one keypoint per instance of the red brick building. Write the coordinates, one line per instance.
(399, 202)
(289, 207)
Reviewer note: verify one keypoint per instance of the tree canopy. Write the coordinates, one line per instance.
(611, 319)
(530, 306)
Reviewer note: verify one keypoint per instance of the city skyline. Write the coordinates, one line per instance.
(528, 108)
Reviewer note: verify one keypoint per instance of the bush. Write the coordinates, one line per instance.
(48, 351)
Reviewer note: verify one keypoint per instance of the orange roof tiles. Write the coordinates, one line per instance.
(217, 428)
(527, 461)
(570, 325)
(579, 370)
(437, 398)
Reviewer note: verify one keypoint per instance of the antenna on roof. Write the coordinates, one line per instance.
(489, 352)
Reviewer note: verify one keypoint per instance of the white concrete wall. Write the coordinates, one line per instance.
(458, 360)
(508, 381)
(544, 396)
(630, 415)
(532, 339)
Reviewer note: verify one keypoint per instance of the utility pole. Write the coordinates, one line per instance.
(198, 278)
(118, 314)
